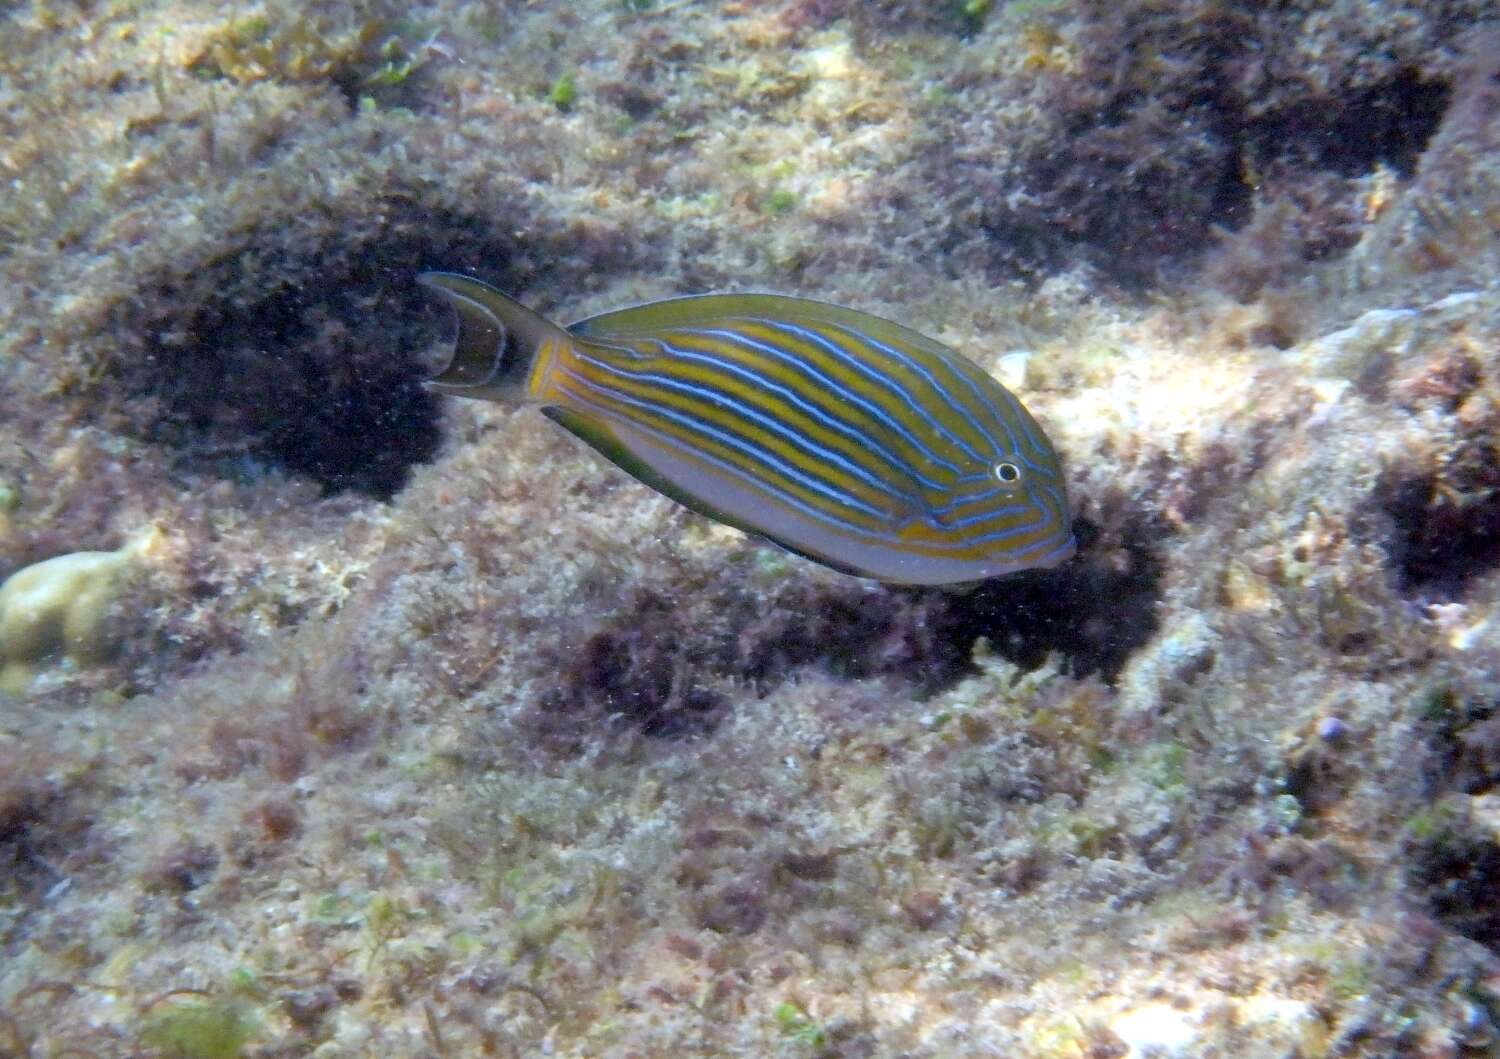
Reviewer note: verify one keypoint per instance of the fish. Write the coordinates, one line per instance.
(839, 436)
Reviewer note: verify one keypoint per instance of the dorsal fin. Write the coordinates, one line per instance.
(698, 310)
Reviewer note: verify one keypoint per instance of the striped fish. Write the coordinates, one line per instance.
(844, 438)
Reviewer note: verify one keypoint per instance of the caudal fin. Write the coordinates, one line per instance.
(497, 343)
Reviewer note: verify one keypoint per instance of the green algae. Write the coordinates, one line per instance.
(200, 1029)
(1434, 824)
(564, 92)
(795, 1026)
(780, 200)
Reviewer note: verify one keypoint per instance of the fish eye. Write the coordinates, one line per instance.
(1008, 473)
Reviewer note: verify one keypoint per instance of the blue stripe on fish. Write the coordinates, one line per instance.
(770, 423)
(727, 404)
(727, 466)
(821, 415)
(708, 432)
(823, 381)
(880, 378)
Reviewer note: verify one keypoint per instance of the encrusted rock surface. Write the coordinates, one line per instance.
(431, 734)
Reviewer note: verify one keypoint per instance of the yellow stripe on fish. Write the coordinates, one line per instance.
(840, 436)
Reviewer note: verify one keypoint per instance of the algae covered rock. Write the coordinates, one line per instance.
(58, 607)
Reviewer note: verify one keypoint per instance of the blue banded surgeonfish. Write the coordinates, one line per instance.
(842, 437)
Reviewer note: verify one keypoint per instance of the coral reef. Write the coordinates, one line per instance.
(61, 607)
(423, 732)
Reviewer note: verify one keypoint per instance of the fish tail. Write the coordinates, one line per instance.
(501, 349)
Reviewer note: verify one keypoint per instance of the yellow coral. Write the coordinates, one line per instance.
(57, 607)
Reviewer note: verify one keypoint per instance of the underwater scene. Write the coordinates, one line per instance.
(622, 529)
